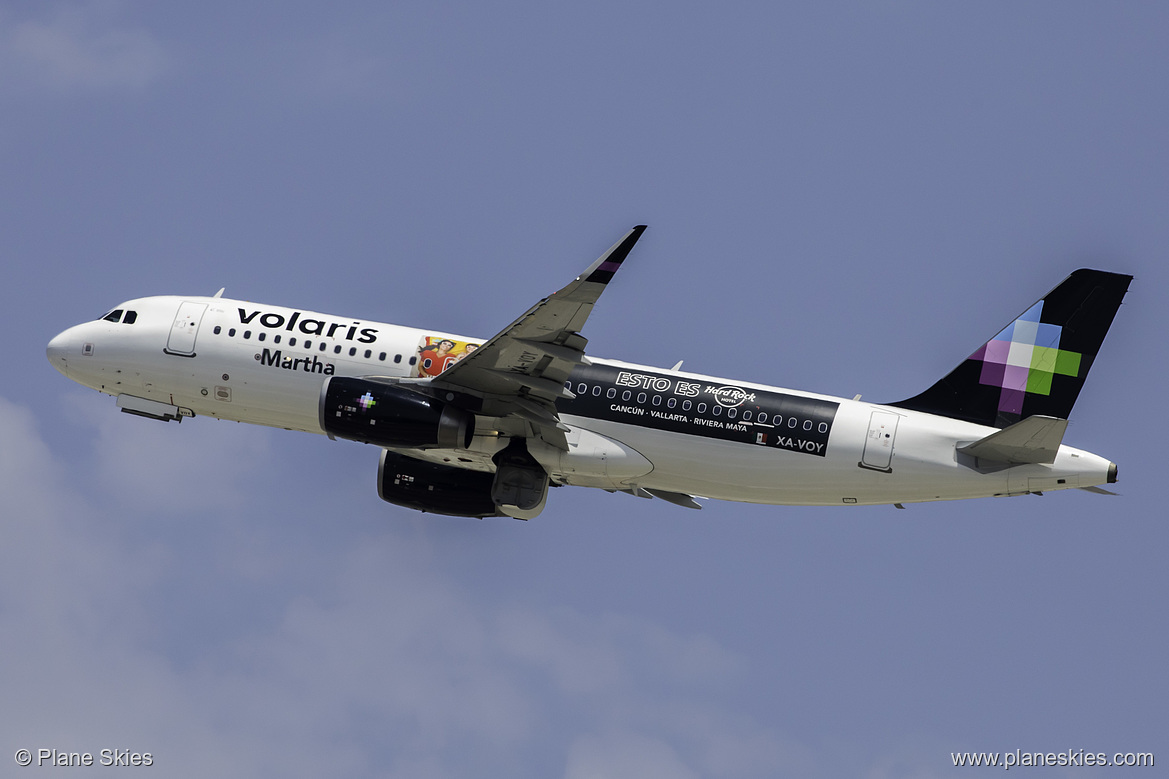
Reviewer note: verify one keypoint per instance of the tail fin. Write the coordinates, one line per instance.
(1038, 363)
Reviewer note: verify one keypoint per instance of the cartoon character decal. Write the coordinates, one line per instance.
(437, 353)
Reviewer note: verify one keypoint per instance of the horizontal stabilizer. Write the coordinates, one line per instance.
(1034, 440)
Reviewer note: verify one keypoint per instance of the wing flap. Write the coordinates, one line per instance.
(488, 381)
(677, 498)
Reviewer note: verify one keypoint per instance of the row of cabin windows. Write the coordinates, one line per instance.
(308, 344)
(700, 408)
(127, 318)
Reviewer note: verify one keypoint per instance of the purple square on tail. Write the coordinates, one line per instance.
(1015, 377)
(1011, 401)
(997, 351)
(992, 374)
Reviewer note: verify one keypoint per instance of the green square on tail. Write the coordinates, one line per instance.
(1067, 363)
(1039, 382)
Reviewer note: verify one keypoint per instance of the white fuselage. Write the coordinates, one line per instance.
(266, 365)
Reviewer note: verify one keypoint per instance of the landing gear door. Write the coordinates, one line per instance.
(878, 453)
(185, 329)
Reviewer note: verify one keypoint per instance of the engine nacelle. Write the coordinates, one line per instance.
(391, 415)
(438, 489)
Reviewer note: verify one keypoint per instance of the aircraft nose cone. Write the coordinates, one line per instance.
(57, 352)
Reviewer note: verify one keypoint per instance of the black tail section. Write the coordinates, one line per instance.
(1038, 363)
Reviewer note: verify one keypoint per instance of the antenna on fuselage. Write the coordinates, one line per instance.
(219, 294)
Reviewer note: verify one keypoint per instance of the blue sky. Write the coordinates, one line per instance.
(842, 197)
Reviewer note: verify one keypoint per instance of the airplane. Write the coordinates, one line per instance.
(482, 428)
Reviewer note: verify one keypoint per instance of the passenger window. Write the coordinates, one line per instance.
(352, 350)
(685, 405)
(807, 424)
(762, 418)
(217, 330)
(413, 360)
(612, 393)
(324, 346)
(113, 316)
(231, 332)
(657, 400)
(582, 389)
(382, 356)
(292, 341)
(130, 318)
(747, 416)
(716, 410)
(626, 395)
(597, 391)
(261, 336)
(397, 358)
(276, 338)
(792, 422)
(308, 344)
(732, 412)
(701, 408)
(641, 398)
(367, 353)
(337, 349)
(247, 334)
(672, 402)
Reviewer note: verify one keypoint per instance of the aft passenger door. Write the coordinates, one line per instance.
(185, 329)
(878, 453)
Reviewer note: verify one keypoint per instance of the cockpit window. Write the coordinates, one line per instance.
(116, 316)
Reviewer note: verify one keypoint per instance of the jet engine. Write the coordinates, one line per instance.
(439, 489)
(391, 415)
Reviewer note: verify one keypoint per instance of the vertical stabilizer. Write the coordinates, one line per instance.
(1037, 364)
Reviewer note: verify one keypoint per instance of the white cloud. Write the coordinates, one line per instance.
(359, 658)
(386, 636)
(167, 467)
(67, 601)
(730, 745)
(913, 757)
(624, 755)
(80, 47)
(591, 655)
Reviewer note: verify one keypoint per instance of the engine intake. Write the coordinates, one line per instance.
(438, 489)
(391, 415)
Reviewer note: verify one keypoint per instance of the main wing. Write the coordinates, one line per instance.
(520, 372)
